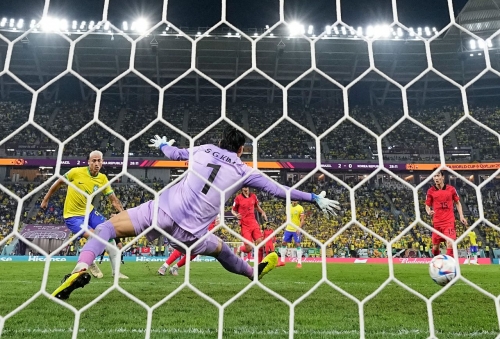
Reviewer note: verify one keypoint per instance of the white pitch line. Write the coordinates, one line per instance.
(246, 331)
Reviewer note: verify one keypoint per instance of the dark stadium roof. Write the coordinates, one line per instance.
(100, 57)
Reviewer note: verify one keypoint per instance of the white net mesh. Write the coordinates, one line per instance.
(345, 116)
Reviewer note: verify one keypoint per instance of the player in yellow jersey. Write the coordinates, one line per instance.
(297, 217)
(88, 179)
(473, 248)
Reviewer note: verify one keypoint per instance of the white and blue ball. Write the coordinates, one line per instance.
(442, 269)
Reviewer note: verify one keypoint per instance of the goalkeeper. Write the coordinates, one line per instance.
(186, 209)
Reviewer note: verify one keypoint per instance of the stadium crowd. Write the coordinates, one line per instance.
(406, 142)
(385, 208)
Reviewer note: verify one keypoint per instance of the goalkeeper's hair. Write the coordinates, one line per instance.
(232, 139)
(442, 172)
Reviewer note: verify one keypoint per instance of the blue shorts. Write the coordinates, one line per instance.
(287, 237)
(473, 249)
(75, 223)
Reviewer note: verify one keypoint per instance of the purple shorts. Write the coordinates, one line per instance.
(142, 219)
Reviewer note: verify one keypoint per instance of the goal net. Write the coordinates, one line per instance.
(368, 115)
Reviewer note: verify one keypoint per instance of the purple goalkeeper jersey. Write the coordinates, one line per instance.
(193, 204)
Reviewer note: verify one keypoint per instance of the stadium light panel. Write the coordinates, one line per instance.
(12, 23)
(3, 22)
(400, 32)
(489, 43)
(256, 34)
(385, 31)
(106, 26)
(419, 31)
(328, 29)
(74, 24)
(412, 32)
(20, 24)
(472, 43)
(480, 43)
(271, 34)
(427, 31)
(82, 25)
(91, 24)
(310, 29)
(344, 31)
(336, 30)
(360, 31)
(125, 26)
(32, 23)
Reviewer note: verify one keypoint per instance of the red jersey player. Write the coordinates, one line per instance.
(441, 198)
(270, 243)
(177, 254)
(244, 209)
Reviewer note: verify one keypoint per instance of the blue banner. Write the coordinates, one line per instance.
(40, 258)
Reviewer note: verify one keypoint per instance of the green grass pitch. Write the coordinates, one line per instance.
(461, 312)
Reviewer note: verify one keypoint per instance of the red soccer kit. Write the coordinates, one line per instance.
(441, 201)
(245, 206)
(270, 243)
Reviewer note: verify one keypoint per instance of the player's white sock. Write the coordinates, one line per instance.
(475, 258)
(114, 254)
(165, 265)
(283, 253)
(299, 255)
(80, 266)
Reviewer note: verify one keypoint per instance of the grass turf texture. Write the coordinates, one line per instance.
(461, 312)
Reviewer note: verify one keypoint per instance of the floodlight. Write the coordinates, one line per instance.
(400, 32)
(32, 23)
(489, 43)
(427, 31)
(106, 25)
(74, 24)
(141, 25)
(91, 24)
(20, 24)
(294, 28)
(310, 29)
(385, 31)
(472, 44)
(63, 25)
(82, 25)
(344, 31)
(125, 26)
(3, 22)
(328, 29)
(370, 31)
(419, 31)
(480, 43)
(11, 23)
(256, 34)
(360, 30)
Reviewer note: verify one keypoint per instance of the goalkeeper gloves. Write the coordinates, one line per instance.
(158, 142)
(326, 205)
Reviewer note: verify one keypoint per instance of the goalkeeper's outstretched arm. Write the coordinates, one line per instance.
(259, 181)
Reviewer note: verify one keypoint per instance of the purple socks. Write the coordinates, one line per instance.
(234, 263)
(94, 247)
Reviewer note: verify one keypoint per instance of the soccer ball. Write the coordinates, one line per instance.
(442, 269)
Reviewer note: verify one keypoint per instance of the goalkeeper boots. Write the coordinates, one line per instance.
(267, 264)
(70, 283)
